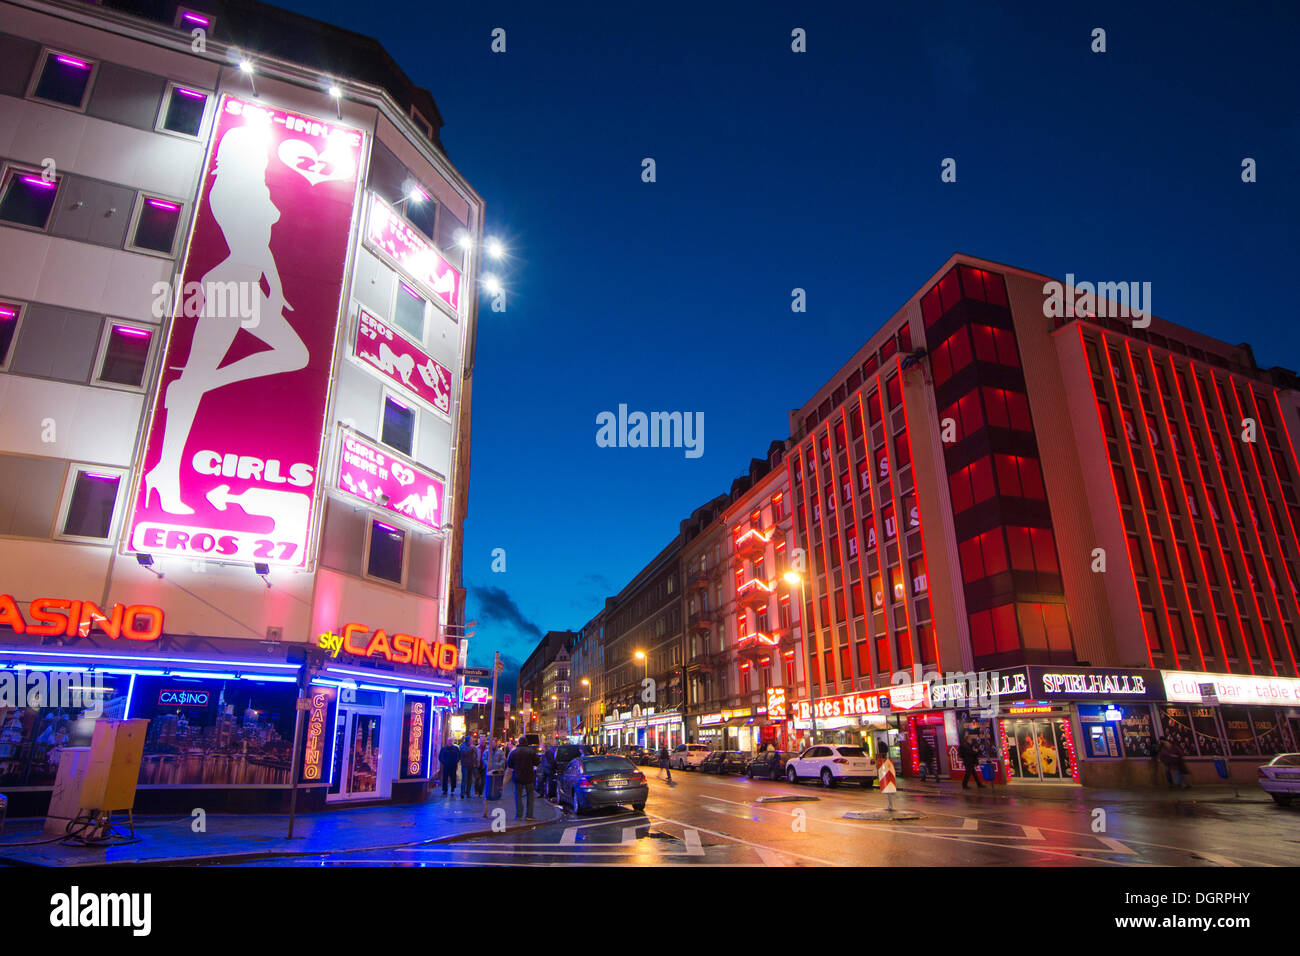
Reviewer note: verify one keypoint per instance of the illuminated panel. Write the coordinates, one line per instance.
(1230, 434)
(315, 740)
(385, 481)
(404, 364)
(1187, 510)
(1277, 539)
(1141, 428)
(231, 461)
(1227, 497)
(1226, 584)
(399, 241)
(60, 617)
(1132, 574)
(925, 565)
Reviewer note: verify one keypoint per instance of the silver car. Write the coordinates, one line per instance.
(602, 781)
(1280, 778)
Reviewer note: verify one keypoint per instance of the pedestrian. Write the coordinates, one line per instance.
(546, 772)
(468, 768)
(480, 776)
(522, 763)
(664, 766)
(970, 756)
(448, 757)
(1171, 755)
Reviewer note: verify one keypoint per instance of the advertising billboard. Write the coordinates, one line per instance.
(385, 350)
(231, 462)
(395, 238)
(380, 478)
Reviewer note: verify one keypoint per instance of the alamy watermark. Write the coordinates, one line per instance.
(219, 300)
(651, 430)
(71, 690)
(1103, 300)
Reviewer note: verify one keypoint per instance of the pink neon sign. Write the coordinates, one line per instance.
(394, 237)
(380, 347)
(231, 464)
(386, 481)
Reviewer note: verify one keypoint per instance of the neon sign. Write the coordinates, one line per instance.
(176, 697)
(776, 703)
(135, 622)
(415, 748)
(475, 694)
(398, 649)
(314, 755)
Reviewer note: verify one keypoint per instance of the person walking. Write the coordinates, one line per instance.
(448, 757)
(480, 776)
(1171, 755)
(522, 764)
(664, 766)
(468, 768)
(970, 756)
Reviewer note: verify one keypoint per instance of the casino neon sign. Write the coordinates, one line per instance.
(56, 616)
(397, 649)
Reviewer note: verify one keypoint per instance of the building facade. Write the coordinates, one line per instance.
(1089, 514)
(588, 681)
(237, 323)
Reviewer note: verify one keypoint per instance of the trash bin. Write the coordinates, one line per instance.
(495, 783)
(1220, 767)
(988, 772)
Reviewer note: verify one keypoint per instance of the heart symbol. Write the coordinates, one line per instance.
(301, 157)
(404, 475)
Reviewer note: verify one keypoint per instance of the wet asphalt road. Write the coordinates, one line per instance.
(704, 819)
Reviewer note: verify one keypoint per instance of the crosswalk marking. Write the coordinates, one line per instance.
(692, 840)
(1032, 833)
(1116, 845)
(570, 836)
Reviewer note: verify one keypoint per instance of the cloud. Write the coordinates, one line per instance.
(498, 607)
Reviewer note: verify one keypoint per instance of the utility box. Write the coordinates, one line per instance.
(106, 781)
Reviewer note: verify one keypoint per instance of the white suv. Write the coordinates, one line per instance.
(831, 764)
(688, 756)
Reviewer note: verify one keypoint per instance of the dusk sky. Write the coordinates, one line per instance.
(818, 170)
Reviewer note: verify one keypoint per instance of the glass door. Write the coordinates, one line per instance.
(1036, 749)
(358, 760)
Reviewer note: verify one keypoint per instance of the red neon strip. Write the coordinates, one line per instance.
(809, 574)
(868, 450)
(1158, 588)
(1282, 418)
(1277, 481)
(1164, 501)
(794, 515)
(898, 524)
(1259, 541)
(858, 536)
(1223, 483)
(925, 564)
(1187, 505)
(1218, 540)
(830, 598)
(1277, 539)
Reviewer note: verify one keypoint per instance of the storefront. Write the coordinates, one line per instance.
(221, 711)
(876, 720)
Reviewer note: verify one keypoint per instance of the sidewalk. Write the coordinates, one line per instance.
(1089, 796)
(165, 840)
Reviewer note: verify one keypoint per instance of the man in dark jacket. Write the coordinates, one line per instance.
(971, 758)
(468, 767)
(448, 757)
(522, 764)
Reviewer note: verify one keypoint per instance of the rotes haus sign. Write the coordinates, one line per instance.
(232, 455)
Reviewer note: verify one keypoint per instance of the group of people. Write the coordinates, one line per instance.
(475, 759)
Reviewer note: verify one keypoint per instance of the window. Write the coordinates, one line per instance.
(1007, 409)
(971, 485)
(125, 355)
(10, 314)
(26, 198)
(182, 111)
(982, 556)
(397, 430)
(92, 497)
(156, 224)
(423, 215)
(188, 19)
(63, 79)
(408, 313)
(387, 548)
(966, 413)
(1019, 477)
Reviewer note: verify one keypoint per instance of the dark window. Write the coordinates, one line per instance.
(27, 199)
(386, 546)
(423, 216)
(8, 328)
(90, 513)
(399, 426)
(63, 79)
(126, 355)
(156, 227)
(409, 313)
(184, 111)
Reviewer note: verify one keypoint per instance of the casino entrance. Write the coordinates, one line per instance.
(1039, 747)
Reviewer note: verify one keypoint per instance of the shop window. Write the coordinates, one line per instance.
(183, 110)
(91, 504)
(63, 79)
(398, 428)
(125, 355)
(386, 552)
(408, 312)
(156, 225)
(26, 198)
(10, 315)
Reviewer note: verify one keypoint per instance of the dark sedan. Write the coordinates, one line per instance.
(602, 781)
(724, 761)
(770, 765)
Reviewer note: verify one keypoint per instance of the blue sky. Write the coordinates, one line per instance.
(820, 170)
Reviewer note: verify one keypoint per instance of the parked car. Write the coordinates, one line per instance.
(724, 761)
(832, 764)
(564, 755)
(687, 756)
(649, 758)
(1280, 778)
(602, 781)
(769, 764)
(632, 752)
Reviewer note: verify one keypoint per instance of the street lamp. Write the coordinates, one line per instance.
(641, 656)
(792, 578)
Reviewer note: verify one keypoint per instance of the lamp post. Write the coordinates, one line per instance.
(794, 577)
(644, 659)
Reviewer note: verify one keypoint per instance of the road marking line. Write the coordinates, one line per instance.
(727, 836)
(970, 823)
(629, 835)
(693, 845)
(569, 837)
(1032, 833)
(1116, 845)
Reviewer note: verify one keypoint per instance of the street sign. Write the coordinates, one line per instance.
(482, 672)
